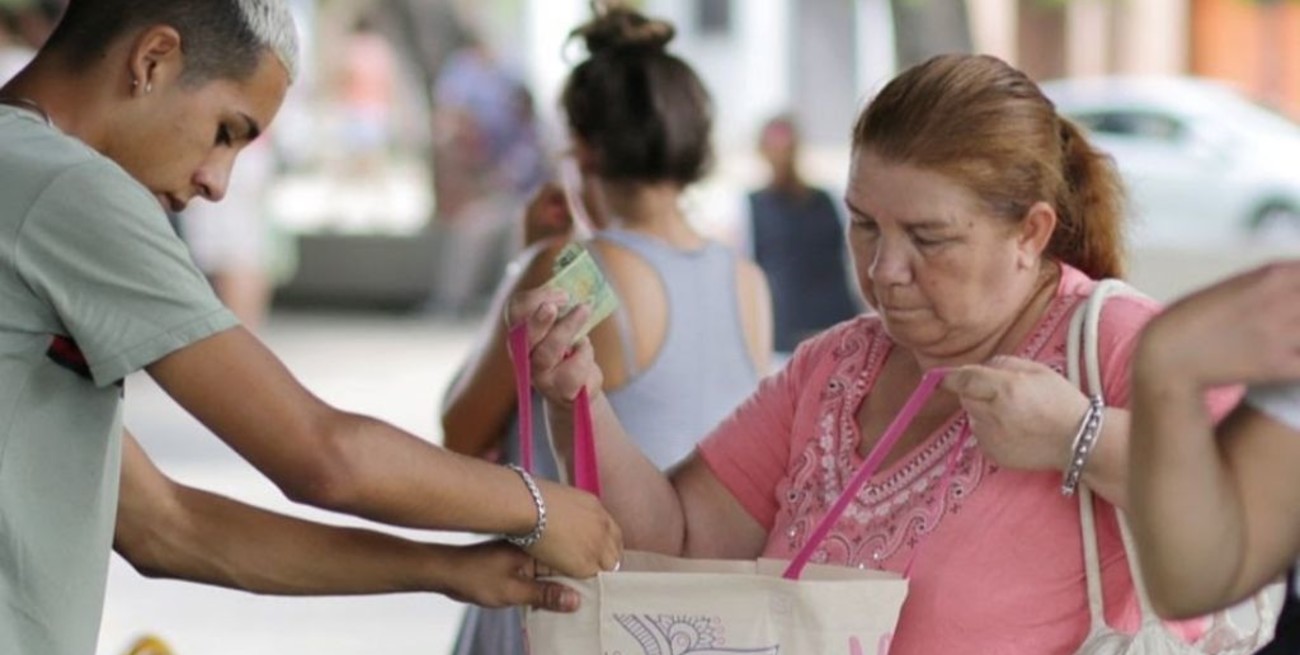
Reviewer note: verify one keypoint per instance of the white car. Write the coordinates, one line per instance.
(1202, 164)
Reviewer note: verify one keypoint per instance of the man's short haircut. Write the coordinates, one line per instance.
(221, 39)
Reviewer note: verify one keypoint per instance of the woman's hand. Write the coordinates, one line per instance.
(560, 366)
(547, 216)
(1243, 330)
(1023, 413)
(560, 369)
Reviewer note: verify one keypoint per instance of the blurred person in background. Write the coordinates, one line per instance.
(488, 162)
(797, 237)
(980, 219)
(24, 27)
(231, 240)
(367, 90)
(693, 332)
(14, 52)
(130, 108)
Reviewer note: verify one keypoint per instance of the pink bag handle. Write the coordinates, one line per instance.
(929, 383)
(585, 474)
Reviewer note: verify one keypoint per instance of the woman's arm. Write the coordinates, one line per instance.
(479, 405)
(1025, 415)
(756, 313)
(1216, 516)
(689, 513)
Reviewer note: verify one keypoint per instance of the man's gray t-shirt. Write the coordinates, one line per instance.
(94, 285)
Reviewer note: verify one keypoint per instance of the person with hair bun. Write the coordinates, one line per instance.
(693, 332)
(980, 220)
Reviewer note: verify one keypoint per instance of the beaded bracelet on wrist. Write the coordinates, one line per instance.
(1085, 442)
(527, 540)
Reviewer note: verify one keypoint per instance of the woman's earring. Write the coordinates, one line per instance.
(148, 88)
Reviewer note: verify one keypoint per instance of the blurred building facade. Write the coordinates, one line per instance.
(1251, 44)
(1255, 44)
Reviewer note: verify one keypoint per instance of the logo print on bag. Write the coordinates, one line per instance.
(667, 634)
(882, 646)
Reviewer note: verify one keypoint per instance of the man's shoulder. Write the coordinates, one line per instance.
(45, 165)
(33, 145)
(33, 159)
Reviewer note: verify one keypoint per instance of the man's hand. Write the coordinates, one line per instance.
(581, 539)
(496, 574)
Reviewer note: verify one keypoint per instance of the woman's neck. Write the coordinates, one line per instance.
(1006, 340)
(650, 209)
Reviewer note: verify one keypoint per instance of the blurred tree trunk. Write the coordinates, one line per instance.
(428, 31)
(924, 28)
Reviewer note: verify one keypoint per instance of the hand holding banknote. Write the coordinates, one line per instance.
(581, 281)
(559, 314)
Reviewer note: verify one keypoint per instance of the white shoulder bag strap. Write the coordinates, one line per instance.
(1083, 334)
(1224, 636)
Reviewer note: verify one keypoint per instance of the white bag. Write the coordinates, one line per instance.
(658, 605)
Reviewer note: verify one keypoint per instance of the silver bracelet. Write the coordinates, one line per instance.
(1085, 441)
(526, 541)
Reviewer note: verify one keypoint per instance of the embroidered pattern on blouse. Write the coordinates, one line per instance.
(898, 510)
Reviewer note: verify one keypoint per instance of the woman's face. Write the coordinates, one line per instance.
(942, 271)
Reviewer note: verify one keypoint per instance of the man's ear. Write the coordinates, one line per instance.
(156, 59)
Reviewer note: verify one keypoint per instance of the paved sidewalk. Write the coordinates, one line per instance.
(394, 368)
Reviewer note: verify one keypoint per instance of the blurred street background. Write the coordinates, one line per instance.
(362, 237)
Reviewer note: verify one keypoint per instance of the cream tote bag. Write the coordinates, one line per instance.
(659, 605)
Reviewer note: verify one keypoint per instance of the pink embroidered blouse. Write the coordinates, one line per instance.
(1002, 569)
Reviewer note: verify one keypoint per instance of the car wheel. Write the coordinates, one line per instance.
(1276, 220)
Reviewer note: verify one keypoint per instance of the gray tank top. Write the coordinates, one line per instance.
(703, 369)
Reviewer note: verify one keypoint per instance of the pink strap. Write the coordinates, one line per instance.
(585, 474)
(517, 344)
(929, 382)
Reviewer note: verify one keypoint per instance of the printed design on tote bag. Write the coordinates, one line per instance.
(677, 634)
(882, 647)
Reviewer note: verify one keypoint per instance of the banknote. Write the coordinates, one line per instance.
(577, 274)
